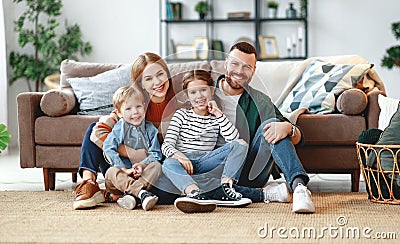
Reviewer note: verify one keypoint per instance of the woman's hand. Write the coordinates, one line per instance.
(213, 108)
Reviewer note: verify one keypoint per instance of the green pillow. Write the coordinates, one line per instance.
(390, 136)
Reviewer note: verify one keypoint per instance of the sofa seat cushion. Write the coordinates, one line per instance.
(58, 157)
(331, 129)
(65, 130)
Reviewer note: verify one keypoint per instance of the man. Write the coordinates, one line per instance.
(270, 135)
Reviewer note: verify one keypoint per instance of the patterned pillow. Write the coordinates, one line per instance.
(320, 84)
(95, 93)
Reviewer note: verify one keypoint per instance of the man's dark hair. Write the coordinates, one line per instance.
(244, 47)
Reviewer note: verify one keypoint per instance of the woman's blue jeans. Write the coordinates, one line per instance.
(262, 155)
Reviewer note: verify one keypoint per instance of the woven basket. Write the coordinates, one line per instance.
(381, 185)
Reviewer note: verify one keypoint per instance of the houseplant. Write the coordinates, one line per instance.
(272, 8)
(202, 8)
(43, 47)
(4, 137)
(392, 56)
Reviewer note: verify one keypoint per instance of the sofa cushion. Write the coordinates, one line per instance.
(320, 83)
(65, 130)
(352, 101)
(331, 129)
(388, 107)
(95, 93)
(58, 102)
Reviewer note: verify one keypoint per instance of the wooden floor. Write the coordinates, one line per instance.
(12, 177)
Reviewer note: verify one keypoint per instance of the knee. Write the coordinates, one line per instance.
(169, 163)
(111, 171)
(155, 165)
(242, 142)
(268, 121)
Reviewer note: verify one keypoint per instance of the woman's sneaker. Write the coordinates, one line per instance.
(127, 202)
(302, 200)
(148, 200)
(226, 196)
(275, 192)
(195, 203)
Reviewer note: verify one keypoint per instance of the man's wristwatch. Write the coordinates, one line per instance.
(293, 131)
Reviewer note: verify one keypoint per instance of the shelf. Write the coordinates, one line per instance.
(282, 19)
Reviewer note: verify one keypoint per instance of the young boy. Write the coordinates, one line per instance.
(132, 180)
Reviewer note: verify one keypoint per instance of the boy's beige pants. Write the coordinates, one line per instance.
(118, 182)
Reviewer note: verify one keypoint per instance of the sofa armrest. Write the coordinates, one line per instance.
(352, 102)
(373, 109)
(58, 102)
(28, 110)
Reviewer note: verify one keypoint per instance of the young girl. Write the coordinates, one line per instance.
(189, 147)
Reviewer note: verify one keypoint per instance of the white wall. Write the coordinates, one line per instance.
(119, 30)
(3, 70)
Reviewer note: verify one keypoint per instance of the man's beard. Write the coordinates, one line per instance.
(233, 84)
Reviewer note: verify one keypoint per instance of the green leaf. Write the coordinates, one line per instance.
(4, 137)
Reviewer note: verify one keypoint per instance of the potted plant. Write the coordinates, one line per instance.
(38, 33)
(272, 6)
(202, 8)
(4, 137)
(392, 56)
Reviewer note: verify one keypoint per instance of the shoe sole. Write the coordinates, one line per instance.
(303, 209)
(193, 206)
(127, 202)
(149, 204)
(97, 198)
(234, 204)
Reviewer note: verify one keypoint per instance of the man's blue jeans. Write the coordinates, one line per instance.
(231, 155)
(262, 155)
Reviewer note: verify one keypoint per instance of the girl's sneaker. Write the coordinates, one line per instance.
(195, 203)
(226, 196)
(127, 202)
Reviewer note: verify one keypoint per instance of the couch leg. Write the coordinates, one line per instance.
(46, 178)
(74, 177)
(355, 180)
(52, 180)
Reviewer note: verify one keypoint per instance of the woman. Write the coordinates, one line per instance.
(151, 75)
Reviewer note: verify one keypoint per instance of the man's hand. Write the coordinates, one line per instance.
(276, 131)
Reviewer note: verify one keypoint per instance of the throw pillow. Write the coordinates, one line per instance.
(95, 93)
(388, 107)
(390, 136)
(319, 85)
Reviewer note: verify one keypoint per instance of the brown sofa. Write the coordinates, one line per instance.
(50, 131)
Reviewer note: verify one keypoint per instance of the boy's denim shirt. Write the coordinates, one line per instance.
(143, 136)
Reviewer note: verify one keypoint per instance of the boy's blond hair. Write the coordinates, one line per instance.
(123, 94)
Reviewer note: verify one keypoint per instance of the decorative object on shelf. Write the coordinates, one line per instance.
(4, 137)
(174, 10)
(238, 15)
(392, 56)
(184, 51)
(272, 7)
(300, 39)
(202, 8)
(303, 8)
(218, 49)
(268, 47)
(200, 46)
(291, 13)
(46, 46)
(294, 43)
(289, 47)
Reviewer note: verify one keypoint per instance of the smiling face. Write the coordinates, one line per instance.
(155, 82)
(199, 94)
(240, 67)
(133, 110)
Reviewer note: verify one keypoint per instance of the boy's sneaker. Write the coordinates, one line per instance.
(226, 196)
(87, 195)
(110, 197)
(275, 192)
(302, 200)
(127, 202)
(148, 200)
(195, 203)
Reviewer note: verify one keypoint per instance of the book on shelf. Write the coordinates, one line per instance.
(238, 15)
(174, 10)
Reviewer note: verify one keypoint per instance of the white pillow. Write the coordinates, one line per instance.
(95, 93)
(388, 107)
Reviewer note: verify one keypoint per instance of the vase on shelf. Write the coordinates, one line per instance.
(272, 13)
(291, 13)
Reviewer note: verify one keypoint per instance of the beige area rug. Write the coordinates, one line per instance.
(340, 217)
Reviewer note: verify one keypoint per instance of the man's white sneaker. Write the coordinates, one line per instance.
(275, 192)
(302, 200)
